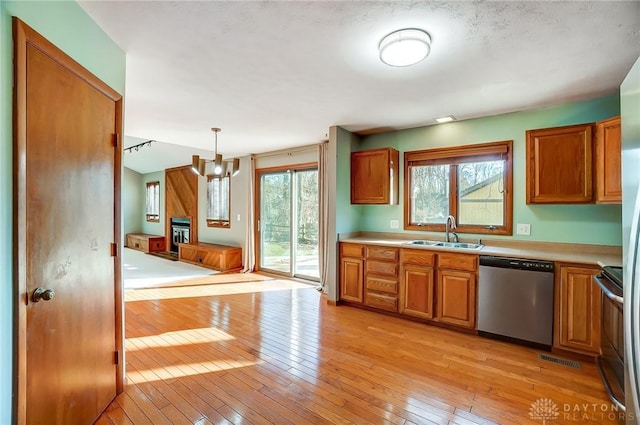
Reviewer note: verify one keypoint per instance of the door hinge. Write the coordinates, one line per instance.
(116, 357)
(114, 249)
(116, 140)
(258, 225)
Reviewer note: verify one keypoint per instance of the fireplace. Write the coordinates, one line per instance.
(180, 232)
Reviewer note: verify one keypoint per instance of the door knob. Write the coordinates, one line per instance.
(42, 294)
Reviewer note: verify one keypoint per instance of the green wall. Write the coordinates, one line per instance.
(589, 224)
(348, 217)
(65, 24)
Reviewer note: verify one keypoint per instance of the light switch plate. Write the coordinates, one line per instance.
(394, 224)
(523, 229)
(238, 217)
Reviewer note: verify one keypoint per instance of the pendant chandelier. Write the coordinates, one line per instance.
(220, 168)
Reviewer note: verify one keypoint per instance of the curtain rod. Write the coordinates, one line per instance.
(289, 150)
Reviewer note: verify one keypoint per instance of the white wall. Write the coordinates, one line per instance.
(132, 209)
(148, 226)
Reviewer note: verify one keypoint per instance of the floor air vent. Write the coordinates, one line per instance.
(563, 362)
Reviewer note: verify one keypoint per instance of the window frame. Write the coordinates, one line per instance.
(454, 156)
(217, 222)
(150, 216)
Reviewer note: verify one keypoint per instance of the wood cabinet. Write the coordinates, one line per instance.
(608, 162)
(381, 277)
(374, 176)
(577, 309)
(560, 165)
(213, 256)
(351, 272)
(145, 242)
(456, 289)
(417, 283)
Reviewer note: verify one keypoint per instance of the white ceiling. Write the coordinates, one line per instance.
(275, 74)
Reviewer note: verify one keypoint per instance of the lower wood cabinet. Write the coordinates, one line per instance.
(213, 256)
(435, 286)
(351, 278)
(417, 291)
(577, 309)
(145, 242)
(456, 298)
(381, 278)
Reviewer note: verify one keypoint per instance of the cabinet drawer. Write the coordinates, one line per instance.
(382, 253)
(382, 285)
(417, 256)
(382, 267)
(458, 262)
(381, 301)
(351, 250)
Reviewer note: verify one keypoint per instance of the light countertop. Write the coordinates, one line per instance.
(595, 255)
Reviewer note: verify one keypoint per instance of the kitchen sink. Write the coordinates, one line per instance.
(422, 242)
(462, 245)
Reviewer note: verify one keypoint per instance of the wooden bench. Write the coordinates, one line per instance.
(145, 242)
(218, 257)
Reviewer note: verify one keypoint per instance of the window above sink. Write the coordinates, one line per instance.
(472, 183)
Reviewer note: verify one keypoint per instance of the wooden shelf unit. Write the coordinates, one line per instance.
(213, 256)
(145, 242)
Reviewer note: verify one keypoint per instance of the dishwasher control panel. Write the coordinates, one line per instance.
(516, 263)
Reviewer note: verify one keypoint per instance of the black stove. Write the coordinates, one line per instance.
(614, 274)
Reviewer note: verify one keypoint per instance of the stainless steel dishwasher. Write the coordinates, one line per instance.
(515, 300)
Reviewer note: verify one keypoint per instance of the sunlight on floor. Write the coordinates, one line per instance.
(187, 369)
(184, 337)
(212, 290)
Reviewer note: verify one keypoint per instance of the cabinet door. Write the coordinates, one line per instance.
(416, 291)
(577, 310)
(351, 279)
(560, 165)
(608, 162)
(374, 176)
(456, 298)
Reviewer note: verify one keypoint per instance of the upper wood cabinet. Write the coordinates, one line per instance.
(608, 162)
(560, 165)
(374, 176)
(577, 310)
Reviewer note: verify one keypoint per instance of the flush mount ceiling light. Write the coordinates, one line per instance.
(405, 47)
(198, 165)
(448, 118)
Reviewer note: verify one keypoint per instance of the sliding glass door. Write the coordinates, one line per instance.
(288, 222)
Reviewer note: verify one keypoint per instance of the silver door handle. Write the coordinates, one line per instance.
(42, 294)
(607, 291)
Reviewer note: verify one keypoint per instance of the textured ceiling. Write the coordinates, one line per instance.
(274, 74)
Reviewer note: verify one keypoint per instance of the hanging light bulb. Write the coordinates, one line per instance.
(217, 167)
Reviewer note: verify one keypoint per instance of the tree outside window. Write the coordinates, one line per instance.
(153, 202)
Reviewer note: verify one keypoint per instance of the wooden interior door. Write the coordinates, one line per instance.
(66, 219)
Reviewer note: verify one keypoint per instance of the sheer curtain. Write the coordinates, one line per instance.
(323, 207)
(249, 251)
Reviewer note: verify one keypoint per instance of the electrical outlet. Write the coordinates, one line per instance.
(394, 224)
(523, 229)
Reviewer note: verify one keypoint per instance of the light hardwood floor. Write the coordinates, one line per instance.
(274, 352)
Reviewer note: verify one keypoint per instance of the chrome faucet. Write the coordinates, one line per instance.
(449, 225)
